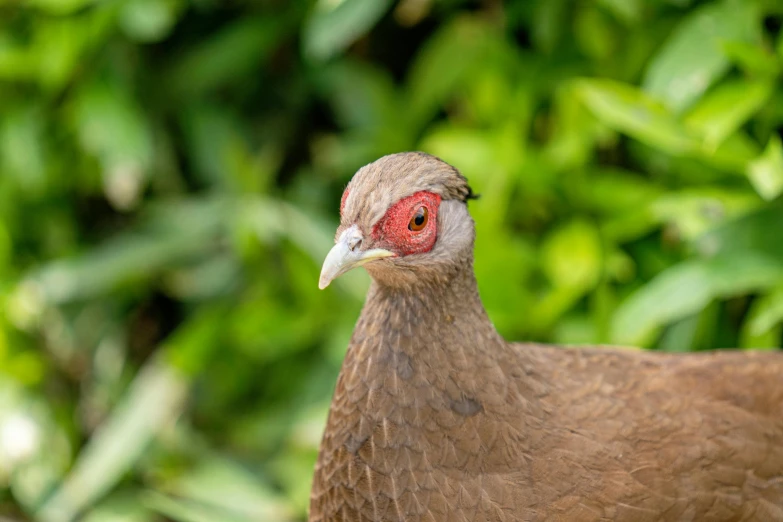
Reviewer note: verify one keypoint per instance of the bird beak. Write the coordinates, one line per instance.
(346, 255)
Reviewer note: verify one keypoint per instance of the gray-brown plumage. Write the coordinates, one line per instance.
(436, 417)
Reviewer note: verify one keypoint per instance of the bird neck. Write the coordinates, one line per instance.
(434, 325)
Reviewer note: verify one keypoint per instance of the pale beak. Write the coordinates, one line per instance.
(346, 255)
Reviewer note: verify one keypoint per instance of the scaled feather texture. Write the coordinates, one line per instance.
(436, 417)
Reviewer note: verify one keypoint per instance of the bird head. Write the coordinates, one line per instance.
(404, 218)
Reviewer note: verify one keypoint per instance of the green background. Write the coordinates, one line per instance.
(170, 176)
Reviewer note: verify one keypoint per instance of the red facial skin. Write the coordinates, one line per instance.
(392, 232)
(342, 201)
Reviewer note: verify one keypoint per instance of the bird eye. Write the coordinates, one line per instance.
(419, 220)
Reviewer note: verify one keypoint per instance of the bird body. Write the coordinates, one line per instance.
(436, 417)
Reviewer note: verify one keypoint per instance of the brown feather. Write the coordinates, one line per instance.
(436, 417)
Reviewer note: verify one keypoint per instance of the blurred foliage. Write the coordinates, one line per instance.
(170, 173)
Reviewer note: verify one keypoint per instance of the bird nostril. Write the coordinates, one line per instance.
(355, 243)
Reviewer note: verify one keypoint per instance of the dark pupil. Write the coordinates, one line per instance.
(419, 219)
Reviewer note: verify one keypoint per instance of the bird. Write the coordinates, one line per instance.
(436, 417)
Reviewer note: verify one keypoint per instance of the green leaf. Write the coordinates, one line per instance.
(573, 137)
(724, 109)
(692, 212)
(113, 127)
(766, 172)
(627, 109)
(223, 489)
(571, 256)
(52, 54)
(185, 511)
(154, 401)
(364, 97)
(765, 317)
(680, 336)
(611, 191)
(629, 11)
(595, 33)
(548, 23)
(756, 232)
(334, 25)
(442, 65)
(120, 508)
(687, 288)
(504, 292)
(692, 58)
(693, 333)
(779, 46)
(190, 349)
(22, 151)
(61, 7)
(768, 340)
(132, 257)
(237, 51)
(148, 20)
(733, 154)
(753, 58)
(211, 135)
(36, 450)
